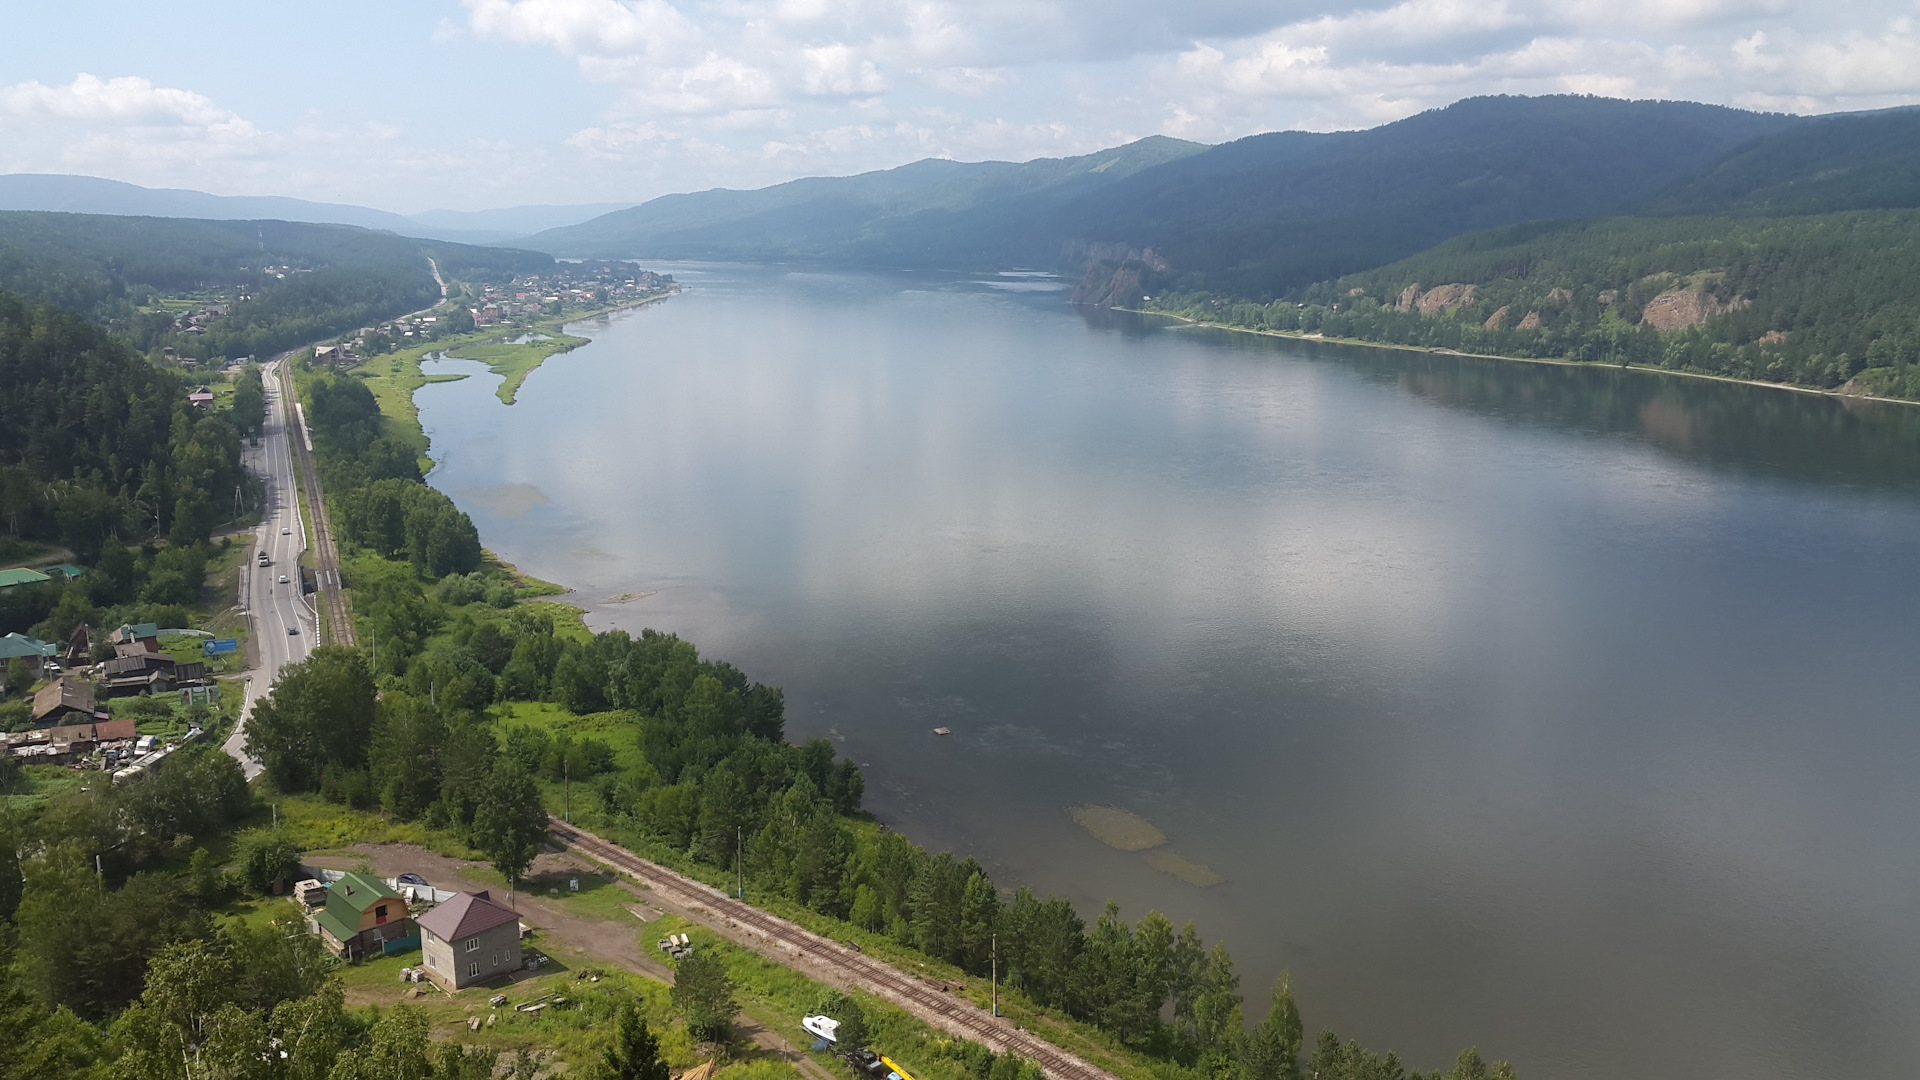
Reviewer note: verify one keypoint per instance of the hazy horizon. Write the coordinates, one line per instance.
(486, 104)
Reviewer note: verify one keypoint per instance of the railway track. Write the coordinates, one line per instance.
(954, 1015)
(326, 556)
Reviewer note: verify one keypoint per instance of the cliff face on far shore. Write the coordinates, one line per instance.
(1116, 274)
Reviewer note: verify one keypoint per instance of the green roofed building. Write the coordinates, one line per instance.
(21, 576)
(14, 645)
(361, 915)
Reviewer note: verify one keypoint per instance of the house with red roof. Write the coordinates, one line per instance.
(469, 939)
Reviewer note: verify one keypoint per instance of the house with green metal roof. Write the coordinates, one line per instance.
(33, 648)
(361, 915)
(135, 638)
(20, 576)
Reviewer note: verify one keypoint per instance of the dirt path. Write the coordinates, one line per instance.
(610, 941)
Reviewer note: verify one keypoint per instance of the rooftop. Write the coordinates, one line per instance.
(21, 645)
(70, 692)
(465, 915)
(359, 892)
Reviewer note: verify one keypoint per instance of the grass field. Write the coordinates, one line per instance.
(319, 826)
(513, 363)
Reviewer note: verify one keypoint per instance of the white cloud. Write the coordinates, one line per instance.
(96, 123)
(128, 101)
(685, 94)
(1065, 76)
(584, 28)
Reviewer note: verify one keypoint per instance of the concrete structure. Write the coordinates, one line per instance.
(362, 915)
(469, 939)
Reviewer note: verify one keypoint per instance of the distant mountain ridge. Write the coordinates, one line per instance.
(932, 212)
(1257, 216)
(1819, 165)
(94, 195)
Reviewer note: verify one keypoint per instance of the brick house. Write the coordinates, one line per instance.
(469, 939)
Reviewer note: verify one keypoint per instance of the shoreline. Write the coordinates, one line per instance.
(1296, 335)
(395, 387)
(514, 370)
(395, 377)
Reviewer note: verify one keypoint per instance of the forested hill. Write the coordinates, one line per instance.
(1273, 212)
(1794, 258)
(97, 442)
(1254, 216)
(1824, 301)
(301, 281)
(929, 213)
(1851, 161)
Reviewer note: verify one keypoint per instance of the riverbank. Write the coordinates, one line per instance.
(513, 361)
(1298, 335)
(395, 377)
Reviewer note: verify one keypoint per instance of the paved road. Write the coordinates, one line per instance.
(282, 622)
(285, 624)
(807, 952)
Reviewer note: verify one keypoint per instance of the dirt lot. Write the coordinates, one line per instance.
(605, 922)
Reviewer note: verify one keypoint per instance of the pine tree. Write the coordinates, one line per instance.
(635, 1052)
(1272, 1050)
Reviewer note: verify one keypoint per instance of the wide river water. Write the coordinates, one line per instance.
(1568, 712)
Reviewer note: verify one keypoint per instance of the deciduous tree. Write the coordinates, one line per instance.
(510, 821)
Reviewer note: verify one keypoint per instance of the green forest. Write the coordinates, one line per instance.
(1824, 301)
(101, 453)
(282, 284)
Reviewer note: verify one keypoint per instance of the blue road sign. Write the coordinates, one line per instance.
(220, 645)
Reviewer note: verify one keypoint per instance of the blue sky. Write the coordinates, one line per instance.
(470, 104)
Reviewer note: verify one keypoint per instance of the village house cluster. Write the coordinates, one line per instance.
(70, 725)
(569, 285)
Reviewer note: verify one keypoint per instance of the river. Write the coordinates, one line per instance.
(1568, 712)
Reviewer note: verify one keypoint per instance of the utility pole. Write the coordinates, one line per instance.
(566, 779)
(740, 861)
(993, 951)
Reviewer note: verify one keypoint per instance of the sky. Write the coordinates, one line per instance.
(409, 105)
